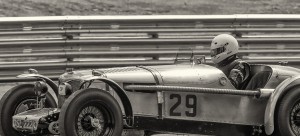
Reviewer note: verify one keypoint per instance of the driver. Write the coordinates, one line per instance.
(224, 48)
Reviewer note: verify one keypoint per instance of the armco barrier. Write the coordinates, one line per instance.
(52, 44)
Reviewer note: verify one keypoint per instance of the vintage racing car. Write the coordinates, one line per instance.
(184, 97)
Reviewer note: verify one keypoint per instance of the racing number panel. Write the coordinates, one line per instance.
(231, 109)
(180, 105)
(188, 102)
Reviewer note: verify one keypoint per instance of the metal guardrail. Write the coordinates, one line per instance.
(52, 44)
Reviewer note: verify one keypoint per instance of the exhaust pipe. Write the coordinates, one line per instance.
(261, 93)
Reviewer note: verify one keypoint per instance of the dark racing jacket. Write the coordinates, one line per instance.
(236, 70)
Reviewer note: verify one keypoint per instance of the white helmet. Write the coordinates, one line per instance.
(222, 47)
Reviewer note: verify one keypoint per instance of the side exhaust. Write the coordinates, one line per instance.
(261, 93)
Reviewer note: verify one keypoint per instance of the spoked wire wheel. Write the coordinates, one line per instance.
(25, 105)
(91, 112)
(287, 121)
(295, 118)
(16, 100)
(94, 121)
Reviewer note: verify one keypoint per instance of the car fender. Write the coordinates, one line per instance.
(120, 92)
(50, 82)
(275, 97)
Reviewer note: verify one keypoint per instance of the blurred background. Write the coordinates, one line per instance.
(52, 46)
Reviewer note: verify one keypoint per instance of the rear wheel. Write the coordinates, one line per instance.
(16, 100)
(288, 114)
(91, 112)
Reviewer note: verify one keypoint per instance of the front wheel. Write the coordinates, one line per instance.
(288, 114)
(16, 100)
(91, 112)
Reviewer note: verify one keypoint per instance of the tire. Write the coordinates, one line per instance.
(288, 111)
(11, 103)
(86, 105)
